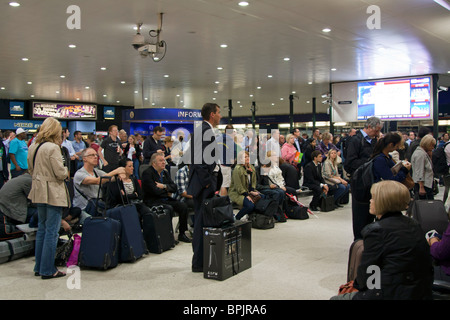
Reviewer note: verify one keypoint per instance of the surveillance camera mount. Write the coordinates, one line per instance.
(154, 49)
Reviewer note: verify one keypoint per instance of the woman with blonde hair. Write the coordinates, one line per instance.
(422, 167)
(49, 192)
(394, 248)
(333, 178)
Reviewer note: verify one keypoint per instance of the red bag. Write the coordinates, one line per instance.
(347, 288)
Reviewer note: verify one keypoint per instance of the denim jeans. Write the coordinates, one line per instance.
(340, 192)
(247, 207)
(47, 238)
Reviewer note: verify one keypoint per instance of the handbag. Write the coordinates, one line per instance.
(298, 157)
(408, 181)
(73, 258)
(63, 251)
(217, 212)
(255, 198)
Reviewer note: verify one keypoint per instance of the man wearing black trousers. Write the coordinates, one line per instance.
(204, 176)
(313, 179)
(158, 188)
(359, 150)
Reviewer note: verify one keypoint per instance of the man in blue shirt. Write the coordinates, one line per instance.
(78, 145)
(18, 153)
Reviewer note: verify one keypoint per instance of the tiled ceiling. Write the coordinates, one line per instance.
(414, 39)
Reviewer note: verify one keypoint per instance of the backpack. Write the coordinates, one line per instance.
(362, 181)
(439, 159)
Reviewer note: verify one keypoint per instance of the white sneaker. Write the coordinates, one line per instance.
(25, 228)
(245, 218)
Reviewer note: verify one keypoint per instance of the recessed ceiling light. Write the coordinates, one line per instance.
(281, 99)
(217, 82)
(14, 4)
(223, 45)
(219, 68)
(310, 82)
(166, 76)
(270, 76)
(62, 76)
(122, 82)
(215, 91)
(2, 88)
(103, 68)
(57, 91)
(259, 88)
(72, 46)
(326, 30)
(29, 82)
(31, 95)
(25, 59)
(136, 91)
(243, 3)
(287, 59)
(87, 87)
(78, 99)
(333, 69)
(105, 95)
(117, 101)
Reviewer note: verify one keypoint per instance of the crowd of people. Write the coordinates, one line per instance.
(244, 166)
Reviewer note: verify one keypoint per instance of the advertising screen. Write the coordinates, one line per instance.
(64, 111)
(398, 99)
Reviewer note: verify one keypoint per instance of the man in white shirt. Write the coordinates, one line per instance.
(273, 143)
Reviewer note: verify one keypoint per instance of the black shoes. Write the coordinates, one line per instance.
(197, 269)
(314, 209)
(184, 238)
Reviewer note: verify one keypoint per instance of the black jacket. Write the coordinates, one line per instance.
(150, 147)
(359, 151)
(114, 196)
(396, 244)
(201, 171)
(152, 194)
(312, 176)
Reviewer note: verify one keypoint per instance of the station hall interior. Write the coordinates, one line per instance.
(276, 59)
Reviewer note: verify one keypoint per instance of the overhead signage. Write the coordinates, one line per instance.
(64, 111)
(109, 113)
(16, 108)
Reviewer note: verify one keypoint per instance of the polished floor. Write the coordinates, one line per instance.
(296, 260)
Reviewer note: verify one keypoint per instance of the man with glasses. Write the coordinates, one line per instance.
(112, 150)
(86, 180)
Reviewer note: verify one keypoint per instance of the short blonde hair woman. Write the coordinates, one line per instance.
(388, 196)
(394, 247)
(49, 192)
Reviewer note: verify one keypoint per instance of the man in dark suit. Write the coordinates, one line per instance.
(313, 179)
(158, 188)
(204, 175)
(359, 150)
(153, 144)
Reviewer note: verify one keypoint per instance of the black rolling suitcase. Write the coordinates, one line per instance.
(430, 214)
(158, 229)
(100, 242)
(132, 244)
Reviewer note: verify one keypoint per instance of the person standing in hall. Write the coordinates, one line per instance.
(153, 144)
(49, 192)
(359, 150)
(18, 151)
(112, 148)
(205, 177)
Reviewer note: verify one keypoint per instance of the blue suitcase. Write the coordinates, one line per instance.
(132, 244)
(100, 243)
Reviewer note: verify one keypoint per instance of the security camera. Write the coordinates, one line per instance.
(138, 41)
(442, 88)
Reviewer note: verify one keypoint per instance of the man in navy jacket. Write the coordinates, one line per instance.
(204, 176)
